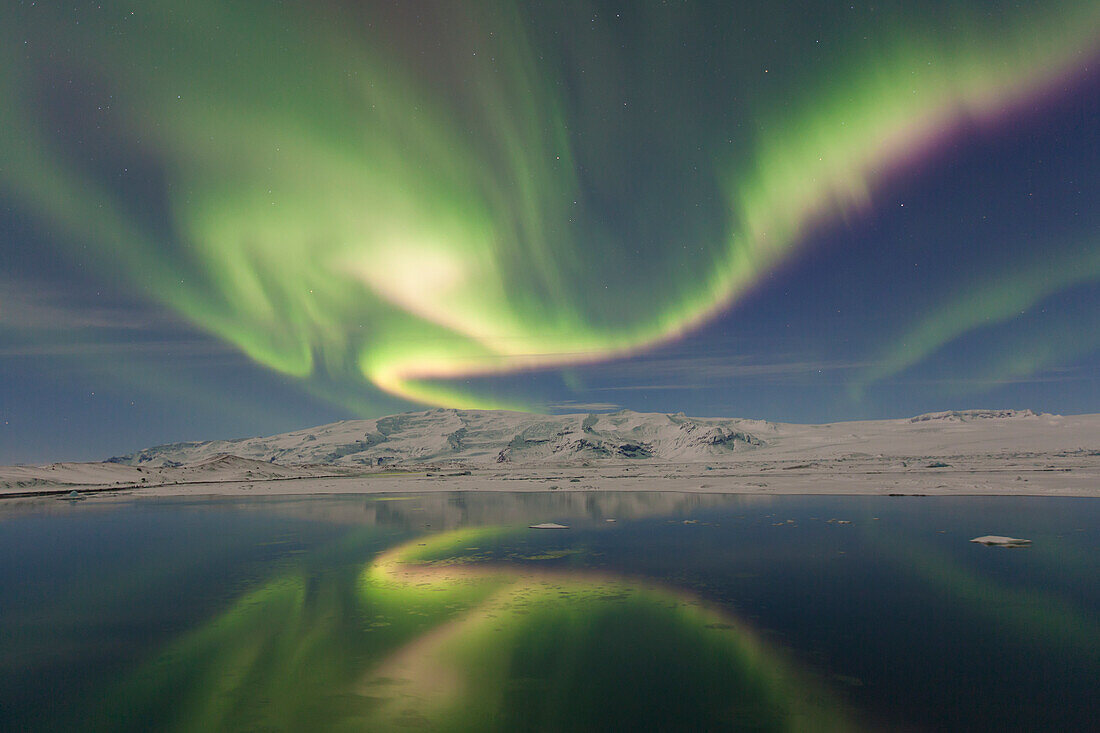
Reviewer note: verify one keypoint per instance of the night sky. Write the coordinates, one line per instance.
(228, 219)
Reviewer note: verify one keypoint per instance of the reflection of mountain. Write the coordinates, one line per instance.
(431, 635)
(450, 510)
(513, 438)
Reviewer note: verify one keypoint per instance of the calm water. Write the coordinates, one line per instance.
(445, 612)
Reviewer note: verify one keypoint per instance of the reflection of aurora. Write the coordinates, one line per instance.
(339, 205)
(430, 634)
(1036, 615)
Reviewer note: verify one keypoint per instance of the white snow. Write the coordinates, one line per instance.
(974, 451)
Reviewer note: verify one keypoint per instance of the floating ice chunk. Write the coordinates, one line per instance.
(992, 539)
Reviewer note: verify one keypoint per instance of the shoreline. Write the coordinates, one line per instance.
(1076, 478)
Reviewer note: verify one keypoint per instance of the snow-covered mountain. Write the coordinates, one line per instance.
(492, 437)
(482, 437)
(966, 451)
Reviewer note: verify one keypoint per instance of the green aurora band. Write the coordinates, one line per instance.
(346, 194)
(999, 300)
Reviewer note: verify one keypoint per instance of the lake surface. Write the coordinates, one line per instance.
(446, 612)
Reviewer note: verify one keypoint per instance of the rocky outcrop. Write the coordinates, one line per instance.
(970, 415)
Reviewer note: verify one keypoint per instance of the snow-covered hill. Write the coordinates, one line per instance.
(476, 437)
(968, 451)
(482, 437)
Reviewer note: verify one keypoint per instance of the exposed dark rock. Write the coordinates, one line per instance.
(455, 439)
(635, 450)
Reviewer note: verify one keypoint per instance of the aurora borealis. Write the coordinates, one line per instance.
(384, 205)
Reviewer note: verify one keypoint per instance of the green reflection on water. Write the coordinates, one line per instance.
(433, 634)
(1026, 614)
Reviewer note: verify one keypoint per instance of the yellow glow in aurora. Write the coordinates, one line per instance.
(341, 202)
